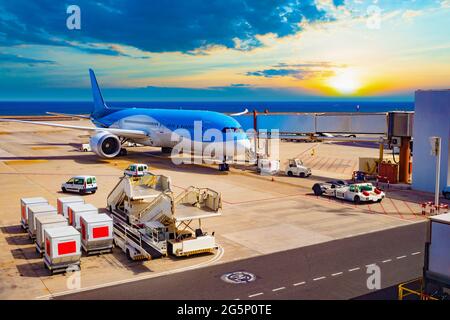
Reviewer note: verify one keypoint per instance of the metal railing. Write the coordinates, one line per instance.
(413, 288)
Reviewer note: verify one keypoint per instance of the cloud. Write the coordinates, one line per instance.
(157, 26)
(11, 58)
(299, 71)
(410, 14)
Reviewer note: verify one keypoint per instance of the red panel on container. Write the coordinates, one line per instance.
(83, 230)
(23, 212)
(70, 216)
(100, 232)
(67, 247)
(60, 207)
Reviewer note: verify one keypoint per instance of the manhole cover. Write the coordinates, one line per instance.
(238, 277)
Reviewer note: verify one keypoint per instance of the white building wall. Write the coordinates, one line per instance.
(431, 118)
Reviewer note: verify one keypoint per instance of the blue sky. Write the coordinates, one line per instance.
(225, 50)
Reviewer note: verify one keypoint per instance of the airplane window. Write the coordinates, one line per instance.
(237, 130)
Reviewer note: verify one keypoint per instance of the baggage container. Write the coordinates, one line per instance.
(75, 210)
(96, 233)
(64, 202)
(24, 203)
(43, 222)
(62, 248)
(33, 212)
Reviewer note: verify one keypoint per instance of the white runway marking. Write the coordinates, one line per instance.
(319, 278)
(400, 257)
(415, 253)
(278, 289)
(354, 269)
(336, 274)
(386, 261)
(299, 283)
(255, 294)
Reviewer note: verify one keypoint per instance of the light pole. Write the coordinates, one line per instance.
(436, 151)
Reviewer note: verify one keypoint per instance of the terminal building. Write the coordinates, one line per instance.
(431, 118)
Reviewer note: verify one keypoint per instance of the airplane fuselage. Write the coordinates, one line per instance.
(165, 126)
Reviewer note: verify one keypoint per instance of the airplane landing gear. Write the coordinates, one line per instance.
(224, 167)
(166, 150)
(123, 152)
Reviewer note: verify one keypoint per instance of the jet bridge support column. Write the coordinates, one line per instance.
(405, 159)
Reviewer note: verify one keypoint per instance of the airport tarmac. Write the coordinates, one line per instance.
(261, 216)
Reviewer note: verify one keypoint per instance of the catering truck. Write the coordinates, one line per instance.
(150, 222)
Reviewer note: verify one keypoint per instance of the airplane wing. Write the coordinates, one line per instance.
(69, 115)
(136, 134)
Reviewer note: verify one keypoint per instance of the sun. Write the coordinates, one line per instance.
(345, 82)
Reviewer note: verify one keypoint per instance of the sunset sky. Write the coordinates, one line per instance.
(225, 50)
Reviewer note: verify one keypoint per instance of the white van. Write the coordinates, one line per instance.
(136, 170)
(80, 184)
(85, 147)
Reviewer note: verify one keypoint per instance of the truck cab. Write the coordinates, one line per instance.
(295, 167)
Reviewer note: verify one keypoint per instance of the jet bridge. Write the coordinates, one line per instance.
(395, 128)
(311, 123)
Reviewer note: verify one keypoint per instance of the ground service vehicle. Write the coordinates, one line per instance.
(150, 222)
(80, 184)
(136, 170)
(85, 147)
(295, 167)
(359, 192)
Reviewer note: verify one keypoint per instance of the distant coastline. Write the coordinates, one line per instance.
(28, 108)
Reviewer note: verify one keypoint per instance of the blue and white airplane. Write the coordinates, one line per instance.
(150, 127)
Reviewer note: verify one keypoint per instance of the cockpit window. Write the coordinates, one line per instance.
(232, 129)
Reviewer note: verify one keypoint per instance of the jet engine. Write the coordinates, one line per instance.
(105, 144)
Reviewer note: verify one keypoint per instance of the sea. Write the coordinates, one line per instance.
(84, 107)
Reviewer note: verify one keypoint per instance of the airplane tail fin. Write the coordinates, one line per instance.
(100, 108)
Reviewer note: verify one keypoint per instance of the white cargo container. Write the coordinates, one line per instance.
(76, 210)
(96, 233)
(24, 203)
(62, 248)
(43, 222)
(64, 202)
(38, 210)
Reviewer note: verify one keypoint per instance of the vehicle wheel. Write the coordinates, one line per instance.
(94, 191)
(379, 200)
(290, 174)
(129, 255)
(447, 195)
(302, 174)
(82, 192)
(317, 190)
(63, 190)
(357, 200)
